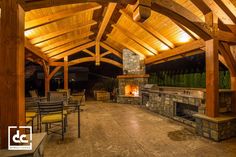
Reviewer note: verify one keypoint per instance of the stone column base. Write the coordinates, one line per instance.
(217, 129)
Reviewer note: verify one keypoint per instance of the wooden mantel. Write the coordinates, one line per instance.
(133, 76)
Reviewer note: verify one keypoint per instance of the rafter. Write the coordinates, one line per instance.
(185, 17)
(61, 32)
(35, 50)
(205, 9)
(186, 30)
(150, 30)
(61, 15)
(112, 50)
(228, 8)
(127, 46)
(135, 38)
(221, 13)
(73, 51)
(48, 3)
(201, 6)
(109, 11)
(66, 48)
(63, 42)
(181, 50)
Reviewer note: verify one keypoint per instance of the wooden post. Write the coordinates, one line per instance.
(233, 87)
(212, 78)
(47, 80)
(12, 60)
(233, 81)
(97, 55)
(66, 73)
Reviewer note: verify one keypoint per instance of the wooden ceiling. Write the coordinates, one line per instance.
(58, 31)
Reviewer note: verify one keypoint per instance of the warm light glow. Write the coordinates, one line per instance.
(28, 33)
(184, 38)
(164, 47)
(39, 45)
(131, 90)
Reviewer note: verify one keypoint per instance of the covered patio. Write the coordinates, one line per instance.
(166, 69)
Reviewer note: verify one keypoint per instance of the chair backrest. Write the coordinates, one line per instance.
(50, 107)
(33, 93)
(58, 96)
(83, 95)
(31, 106)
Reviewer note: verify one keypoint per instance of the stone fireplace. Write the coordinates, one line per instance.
(133, 78)
(132, 90)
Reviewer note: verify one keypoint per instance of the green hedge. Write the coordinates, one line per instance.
(187, 79)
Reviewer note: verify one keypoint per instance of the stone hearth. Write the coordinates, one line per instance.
(133, 78)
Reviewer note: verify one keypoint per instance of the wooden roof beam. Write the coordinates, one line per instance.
(149, 29)
(175, 11)
(186, 30)
(204, 8)
(128, 47)
(228, 8)
(109, 11)
(54, 72)
(61, 32)
(105, 54)
(55, 64)
(217, 10)
(201, 6)
(49, 3)
(66, 48)
(89, 52)
(61, 15)
(63, 42)
(135, 38)
(81, 60)
(73, 51)
(181, 50)
(35, 50)
(110, 61)
(112, 50)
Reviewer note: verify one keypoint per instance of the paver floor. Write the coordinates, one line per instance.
(119, 130)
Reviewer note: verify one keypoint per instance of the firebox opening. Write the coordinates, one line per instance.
(186, 111)
(132, 90)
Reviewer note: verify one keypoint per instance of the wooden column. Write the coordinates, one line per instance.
(66, 73)
(233, 81)
(12, 60)
(97, 54)
(47, 80)
(212, 78)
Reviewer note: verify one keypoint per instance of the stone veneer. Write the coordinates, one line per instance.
(217, 129)
(164, 102)
(134, 74)
(139, 80)
(132, 63)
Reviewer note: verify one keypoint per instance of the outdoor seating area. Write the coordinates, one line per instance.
(117, 78)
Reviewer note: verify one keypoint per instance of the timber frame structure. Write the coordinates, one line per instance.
(157, 30)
